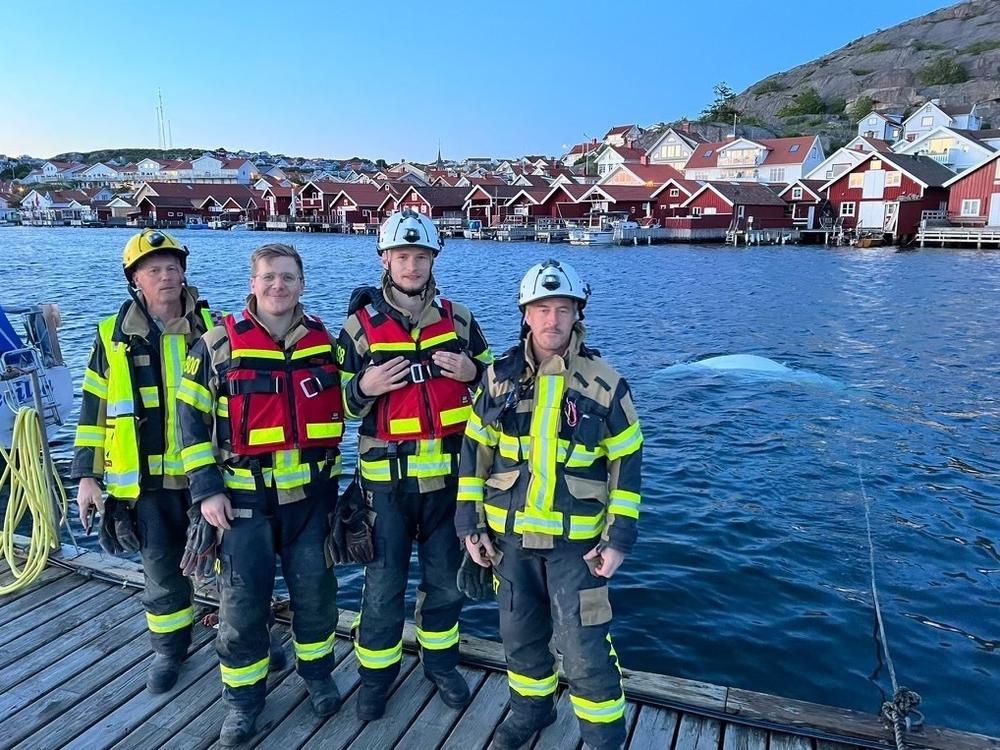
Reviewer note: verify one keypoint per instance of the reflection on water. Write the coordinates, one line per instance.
(752, 564)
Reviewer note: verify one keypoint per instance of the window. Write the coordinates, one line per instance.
(970, 207)
(794, 148)
(872, 120)
(796, 194)
(893, 179)
(674, 192)
(926, 122)
(708, 153)
(776, 174)
(998, 169)
(856, 180)
(876, 164)
(847, 209)
(696, 210)
(710, 210)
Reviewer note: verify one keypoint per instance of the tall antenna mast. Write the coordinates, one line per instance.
(159, 114)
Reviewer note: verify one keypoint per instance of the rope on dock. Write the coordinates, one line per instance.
(896, 712)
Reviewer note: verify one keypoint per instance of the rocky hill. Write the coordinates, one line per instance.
(952, 54)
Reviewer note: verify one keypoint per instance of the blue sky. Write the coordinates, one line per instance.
(388, 79)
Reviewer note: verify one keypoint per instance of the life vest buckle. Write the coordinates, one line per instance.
(311, 387)
(417, 373)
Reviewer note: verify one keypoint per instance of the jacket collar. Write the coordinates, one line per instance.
(137, 321)
(429, 313)
(295, 331)
(555, 363)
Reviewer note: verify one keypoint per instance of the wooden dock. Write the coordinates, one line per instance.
(978, 237)
(74, 652)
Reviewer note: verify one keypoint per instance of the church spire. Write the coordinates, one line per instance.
(440, 162)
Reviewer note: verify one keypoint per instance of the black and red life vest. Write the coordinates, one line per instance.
(430, 405)
(280, 399)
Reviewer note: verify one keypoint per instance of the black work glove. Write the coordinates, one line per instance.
(117, 532)
(200, 550)
(350, 537)
(473, 580)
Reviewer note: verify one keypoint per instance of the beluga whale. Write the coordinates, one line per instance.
(748, 365)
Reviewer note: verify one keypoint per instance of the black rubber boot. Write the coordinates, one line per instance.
(279, 656)
(163, 672)
(517, 729)
(452, 687)
(324, 696)
(371, 702)
(237, 727)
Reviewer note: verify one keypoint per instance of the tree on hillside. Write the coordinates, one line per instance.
(861, 107)
(723, 107)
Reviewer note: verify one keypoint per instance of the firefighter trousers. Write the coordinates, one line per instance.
(295, 532)
(400, 519)
(161, 525)
(550, 595)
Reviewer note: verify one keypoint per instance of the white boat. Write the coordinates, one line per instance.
(243, 226)
(603, 229)
(591, 236)
(473, 229)
(30, 358)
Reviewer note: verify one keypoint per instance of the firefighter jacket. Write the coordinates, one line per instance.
(552, 449)
(408, 439)
(210, 412)
(128, 435)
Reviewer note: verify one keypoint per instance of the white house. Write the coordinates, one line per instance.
(771, 160)
(622, 135)
(846, 157)
(933, 115)
(674, 147)
(99, 174)
(956, 149)
(611, 157)
(886, 126)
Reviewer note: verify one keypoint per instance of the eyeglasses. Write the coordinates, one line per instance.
(288, 279)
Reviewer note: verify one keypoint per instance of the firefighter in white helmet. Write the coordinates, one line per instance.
(409, 361)
(548, 493)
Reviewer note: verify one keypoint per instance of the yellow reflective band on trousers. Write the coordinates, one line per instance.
(603, 712)
(378, 658)
(538, 515)
(530, 687)
(438, 640)
(170, 622)
(313, 651)
(243, 676)
(121, 447)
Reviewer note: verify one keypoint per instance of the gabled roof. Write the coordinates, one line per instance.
(779, 151)
(876, 143)
(972, 136)
(647, 174)
(813, 187)
(922, 169)
(742, 193)
(440, 196)
(633, 155)
(621, 193)
(974, 168)
(361, 194)
(692, 140)
(534, 180)
(887, 116)
(686, 186)
(495, 193)
(534, 195)
(571, 190)
(955, 110)
(619, 130)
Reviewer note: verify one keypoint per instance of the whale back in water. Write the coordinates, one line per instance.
(749, 365)
(749, 362)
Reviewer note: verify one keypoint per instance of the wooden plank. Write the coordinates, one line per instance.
(405, 704)
(52, 610)
(565, 733)
(90, 605)
(783, 741)
(842, 722)
(46, 576)
(294, 729)
(654, 729)
(39, 596)
(176, 715)
(475, 728)
(655, 688)
(339, 731)
(698, 733)
(102, 701)
(434, 723)
(739, 737)
(71, 679)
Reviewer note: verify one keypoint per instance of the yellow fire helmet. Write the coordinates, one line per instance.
(147, 242)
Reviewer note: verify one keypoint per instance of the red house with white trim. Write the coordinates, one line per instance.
(529, 203)
(806, 197)
(974, 195)
(488, 203)
(889, 192)
(671, 195)
(357, 203)
(316, 196)
(636, 200)
(759, 206)
(435, 202)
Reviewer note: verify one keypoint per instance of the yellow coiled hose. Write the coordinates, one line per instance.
(29, 493)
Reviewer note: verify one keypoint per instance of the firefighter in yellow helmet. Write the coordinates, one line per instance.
(127, 440)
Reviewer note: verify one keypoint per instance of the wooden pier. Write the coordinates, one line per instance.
(74, 653)
(978, 237)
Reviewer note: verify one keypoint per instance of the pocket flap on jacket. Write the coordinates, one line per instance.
(587, 489)
(504, 480)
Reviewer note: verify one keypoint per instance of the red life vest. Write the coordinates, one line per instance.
(431, 405)
(280, 399)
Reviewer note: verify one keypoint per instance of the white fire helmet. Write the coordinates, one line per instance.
(407, 228)
(552, 279)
